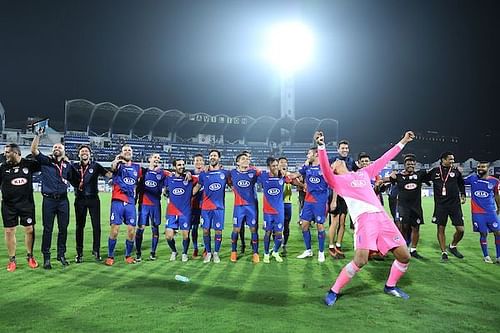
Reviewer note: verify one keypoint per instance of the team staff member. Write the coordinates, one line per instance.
(449, 193)
(84, 177)
(18, 206)
(55, 174)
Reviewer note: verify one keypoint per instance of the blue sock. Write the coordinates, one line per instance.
(207, 240)
(277, 242)
(138, 240)
(267, 240)
(218, 241)
(194, 236)
(255, 242)
(185, 245)
(171, 244)
(129, 246)
(307, 239)
(111, 247)
(497, 245)
(484, 244)
(154, 239)
(234, 241)
(321, 240)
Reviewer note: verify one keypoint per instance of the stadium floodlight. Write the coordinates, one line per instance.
(289, 46)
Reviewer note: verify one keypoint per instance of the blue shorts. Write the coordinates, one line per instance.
(182, 222)
(273, 222)
(313, 212)
(122, 212)
(213, 219)
(485, 222)
(147, 213)
(244, 213)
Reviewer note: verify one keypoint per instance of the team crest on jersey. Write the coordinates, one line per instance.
(217, 225)
(280, 181)
(452, 174)
(29, 220)
(418, 221)
(19, 181)
(222, 176)
(25, 171)
(16, 169)
(185, 182)
(158, 176)
(495, 225)
(490, 186)
(91, 171)
(279, 225)
(185, 225)
(413, 177)
(250, 175)
(135, 173)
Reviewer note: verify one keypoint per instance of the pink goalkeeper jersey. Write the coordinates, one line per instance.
(356, 187)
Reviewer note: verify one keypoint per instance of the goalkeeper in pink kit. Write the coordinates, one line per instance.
(374, 229)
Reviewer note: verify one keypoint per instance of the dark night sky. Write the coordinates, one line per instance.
(380, 67)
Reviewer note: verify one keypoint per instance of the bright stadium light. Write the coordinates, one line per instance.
(289, 46)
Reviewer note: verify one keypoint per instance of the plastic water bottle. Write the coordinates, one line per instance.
(181, 278)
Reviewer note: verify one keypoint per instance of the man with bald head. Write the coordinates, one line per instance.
(55, 174)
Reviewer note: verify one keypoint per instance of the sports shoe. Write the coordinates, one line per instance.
(130, 260)
(96, 255)
(63, 261)
(416, 255)
(396, 292)
(207, 258)
(488, 260)
(444, 257)
(276, 255)
(321, 256)
(195, 254)
(109, 261)
(330, 298)
(173, 256)
(338, 253)
(216, 258)
(266, 259)
(255, 258)
(46, 264)
(78, 259)
(152, 256)
(283, 251)
(138, 258)
(234, 256)
(11, 266)
(498, 260)
(32, 262)
(204, 254)
(184, 257)
(305, 254)
(455, 252)
(332, 252)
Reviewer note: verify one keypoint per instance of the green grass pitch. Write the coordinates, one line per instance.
(461, 296)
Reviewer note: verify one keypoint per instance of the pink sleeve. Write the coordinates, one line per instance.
(377, 166)
(325, 167)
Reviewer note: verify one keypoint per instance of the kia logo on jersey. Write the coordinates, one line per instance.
(129, 181)
(410, 186)
(243, 183)
(273, 191)
(215, 187)
(19, 181)
(359, 183)
(150, 183)
(481, 194)
(178, 191)
(314, 180)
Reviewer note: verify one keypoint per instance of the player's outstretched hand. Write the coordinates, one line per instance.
(319, 138)
(409, 136)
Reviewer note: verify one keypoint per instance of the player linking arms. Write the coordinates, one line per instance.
(374, 229)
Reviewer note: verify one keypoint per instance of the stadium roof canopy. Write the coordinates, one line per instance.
(101, 119)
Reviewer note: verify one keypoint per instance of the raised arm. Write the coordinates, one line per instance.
(377, 166)
(35, 143)
(323, 160)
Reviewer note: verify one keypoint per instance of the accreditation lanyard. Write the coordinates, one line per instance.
(82, 175)
(443, 191)
(59, 167)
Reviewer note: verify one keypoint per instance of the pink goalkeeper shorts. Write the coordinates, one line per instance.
(377, 231)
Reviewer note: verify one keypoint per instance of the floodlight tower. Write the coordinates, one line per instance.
(289, 49)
